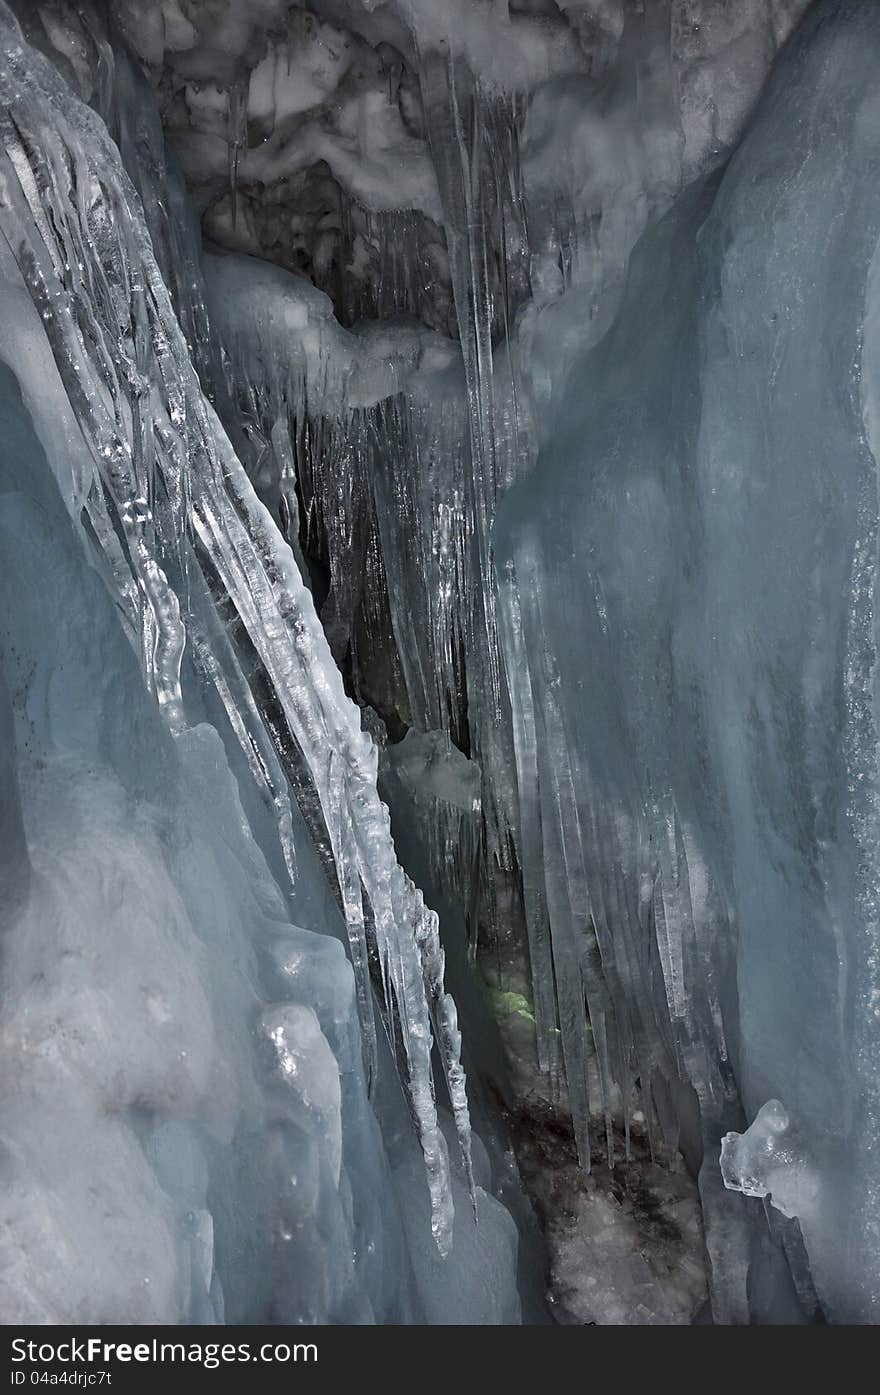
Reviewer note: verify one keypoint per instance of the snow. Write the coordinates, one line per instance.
(266, 317)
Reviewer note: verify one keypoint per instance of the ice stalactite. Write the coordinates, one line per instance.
(473, 136)
(444, 788)
(168, 497)
(372, 426)
(236, 138)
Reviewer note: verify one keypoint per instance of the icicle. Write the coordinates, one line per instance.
(236, 135)
(65, 198)
(531, 852)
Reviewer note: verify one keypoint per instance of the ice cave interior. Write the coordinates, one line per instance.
(439, 692)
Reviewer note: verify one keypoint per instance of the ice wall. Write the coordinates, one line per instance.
(689, 583)
(160, 1162)
(163, 1014)
(668, 701)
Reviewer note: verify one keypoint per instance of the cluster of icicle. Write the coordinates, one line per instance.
(169, 498)
(403, 493)
(412, 514)
(403, 496)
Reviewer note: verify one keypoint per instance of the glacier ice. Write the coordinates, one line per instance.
(707, 592)
(441, 474)
(150, 430)
(146, 478)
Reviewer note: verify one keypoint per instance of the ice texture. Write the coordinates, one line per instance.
(178, 841)
(152, 1169)
(566, 374)
(539, 141)
(582, 691)
(688, 580)
(766, 1160)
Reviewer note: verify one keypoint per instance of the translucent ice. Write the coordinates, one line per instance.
(554, 430)
(767, 1160)
(688, 588)
(153, 490)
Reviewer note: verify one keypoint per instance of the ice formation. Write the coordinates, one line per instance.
(159, 492)
(439, 507)
(707, 591)
(766, 1161)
